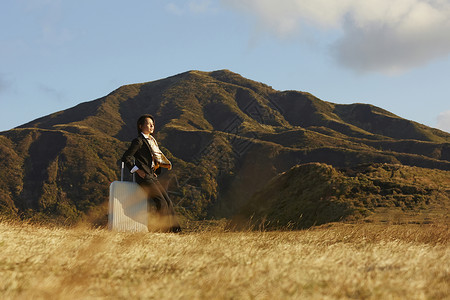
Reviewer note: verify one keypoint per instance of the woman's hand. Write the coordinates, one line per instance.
(167, 166)
(141, 173)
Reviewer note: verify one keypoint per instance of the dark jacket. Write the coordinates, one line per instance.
(140, 154)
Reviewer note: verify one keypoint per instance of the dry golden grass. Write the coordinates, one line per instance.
(338, 261)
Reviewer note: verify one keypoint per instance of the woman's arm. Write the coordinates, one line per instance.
(128, 156)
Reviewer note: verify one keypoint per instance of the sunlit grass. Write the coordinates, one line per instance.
(338, 261)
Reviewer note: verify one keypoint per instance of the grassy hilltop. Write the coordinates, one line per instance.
(226, 135)
(314, 194)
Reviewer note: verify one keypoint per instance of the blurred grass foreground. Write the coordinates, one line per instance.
(334, 261)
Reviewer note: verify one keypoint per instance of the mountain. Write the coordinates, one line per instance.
(226, 135)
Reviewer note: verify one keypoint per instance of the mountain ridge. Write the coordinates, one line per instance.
(226, 135)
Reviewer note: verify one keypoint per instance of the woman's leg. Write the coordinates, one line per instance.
(165, 219)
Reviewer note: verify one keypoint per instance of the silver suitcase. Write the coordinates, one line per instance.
(128, 210)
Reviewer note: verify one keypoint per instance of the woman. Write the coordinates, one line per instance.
(145, 159)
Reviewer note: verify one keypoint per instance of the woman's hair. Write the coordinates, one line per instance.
(141, 121)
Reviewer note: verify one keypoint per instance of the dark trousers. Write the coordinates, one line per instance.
(165, 219)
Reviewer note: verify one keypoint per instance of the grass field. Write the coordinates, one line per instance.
(337, 261)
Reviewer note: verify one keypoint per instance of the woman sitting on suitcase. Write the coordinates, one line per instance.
(145, 159)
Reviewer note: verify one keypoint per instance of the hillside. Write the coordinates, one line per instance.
(226, 135)
(316, 193)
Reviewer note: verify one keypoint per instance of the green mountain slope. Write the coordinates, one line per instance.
(316, 193)
(226, 135)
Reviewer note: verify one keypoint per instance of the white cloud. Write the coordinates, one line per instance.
(193, 6)
(374, 35)
(49, 15)
(5, 84)
(7, 88)
(174, 9)
(51, 92)
(443, 121)
(200, 6)
(32, 5)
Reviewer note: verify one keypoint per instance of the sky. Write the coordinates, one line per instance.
(395, 54)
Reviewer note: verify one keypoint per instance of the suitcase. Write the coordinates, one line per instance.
(128, 208)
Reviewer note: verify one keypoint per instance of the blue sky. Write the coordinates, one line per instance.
(395, 54)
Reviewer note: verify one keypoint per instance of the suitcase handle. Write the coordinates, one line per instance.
(121, 173)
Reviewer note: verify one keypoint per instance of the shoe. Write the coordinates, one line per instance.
(175, 229)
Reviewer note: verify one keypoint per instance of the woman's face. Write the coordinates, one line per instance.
(148, 126)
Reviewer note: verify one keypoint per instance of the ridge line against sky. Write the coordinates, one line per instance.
(393, 54)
